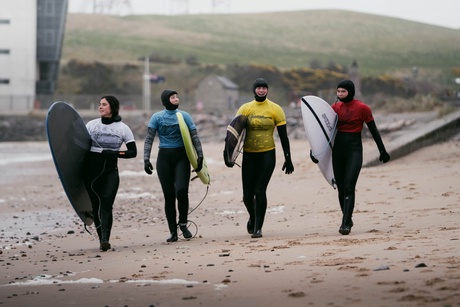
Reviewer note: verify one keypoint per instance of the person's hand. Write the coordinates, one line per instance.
(199, 164)
(148, 167)
(228, 163)
(313, 159)
(110, 153)
(287, 166)
(384, 156)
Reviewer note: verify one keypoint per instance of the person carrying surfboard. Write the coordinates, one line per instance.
(100, 171)
(173, 166)
(259, 158)
(347, 153)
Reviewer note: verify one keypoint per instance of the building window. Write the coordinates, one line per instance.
(50, 8)
(4, 51)
(4, 81)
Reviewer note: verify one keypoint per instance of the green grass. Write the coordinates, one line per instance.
(285, 40)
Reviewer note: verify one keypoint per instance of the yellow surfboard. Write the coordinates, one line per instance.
(203, 174)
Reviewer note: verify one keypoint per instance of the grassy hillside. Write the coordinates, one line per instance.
(289, 39)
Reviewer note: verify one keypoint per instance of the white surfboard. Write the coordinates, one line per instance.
(320, 122)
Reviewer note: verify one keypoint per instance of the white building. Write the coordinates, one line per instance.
(31, 37)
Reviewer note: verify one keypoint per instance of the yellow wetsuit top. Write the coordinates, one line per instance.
(263, 117)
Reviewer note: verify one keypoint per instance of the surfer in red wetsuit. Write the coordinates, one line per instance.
(108, 133)
(347, 153)
(259, 153)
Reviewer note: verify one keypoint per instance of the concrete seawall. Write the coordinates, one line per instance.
(433, 132)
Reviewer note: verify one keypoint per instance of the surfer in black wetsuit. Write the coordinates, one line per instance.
(173, 166)
(259, 157)
(108, 133)
(347, 153)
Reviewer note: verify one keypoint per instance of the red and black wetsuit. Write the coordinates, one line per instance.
(347, 154)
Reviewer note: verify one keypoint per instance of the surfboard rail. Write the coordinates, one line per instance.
(192, 156)
(320, 123)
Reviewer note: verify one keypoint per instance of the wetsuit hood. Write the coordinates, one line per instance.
(259, 82)
(350, 87)
(165, 99)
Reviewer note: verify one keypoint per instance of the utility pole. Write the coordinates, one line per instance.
(146, 86)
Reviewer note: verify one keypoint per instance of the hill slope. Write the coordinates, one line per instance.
(289, 39)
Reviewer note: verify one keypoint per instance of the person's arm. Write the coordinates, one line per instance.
(199, 150)
(384, 156)
(131, 151)
(287, 166)
(148, 167)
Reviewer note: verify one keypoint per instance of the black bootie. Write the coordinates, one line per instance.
(105, 236)
(257, 228)
(347, 223)
(185, 232)
(250, 226)
(173, 237)
(249, 204)
(173, 232)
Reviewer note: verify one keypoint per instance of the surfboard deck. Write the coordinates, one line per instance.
(320, 123)
(236, 132)
(203, 174)
(69, 142)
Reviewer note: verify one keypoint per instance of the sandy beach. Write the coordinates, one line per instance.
(403, 250)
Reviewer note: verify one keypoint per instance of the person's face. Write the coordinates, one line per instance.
(261, 91)
(174, 99)
(104, 108)
(342, 93)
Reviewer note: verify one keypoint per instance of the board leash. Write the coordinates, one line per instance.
(190, 222)
(206, 194)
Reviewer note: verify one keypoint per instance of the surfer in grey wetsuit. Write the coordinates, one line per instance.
(347, 153)
(173, 166)
(108, 133)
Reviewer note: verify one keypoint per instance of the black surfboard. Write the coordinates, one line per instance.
(236, 132)
(69, 142)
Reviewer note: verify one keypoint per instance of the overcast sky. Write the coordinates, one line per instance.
(444, 13)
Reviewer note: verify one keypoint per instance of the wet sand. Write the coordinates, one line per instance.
(403, 250)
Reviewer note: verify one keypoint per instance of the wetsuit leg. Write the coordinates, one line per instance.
(165, 168)
(182, 180)
(107, 195)
(248, 173)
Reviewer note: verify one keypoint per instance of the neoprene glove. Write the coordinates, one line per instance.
(148, 167)
(287, 166)
(200, 164)
(313, 159)
(384, 156)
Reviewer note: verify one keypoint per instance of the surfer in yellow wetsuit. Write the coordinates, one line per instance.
(259, 157)
(347, 153)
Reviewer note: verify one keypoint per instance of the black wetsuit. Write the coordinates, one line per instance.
(173, 169)
(102, 181)
(347, 160)
(256, 171)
